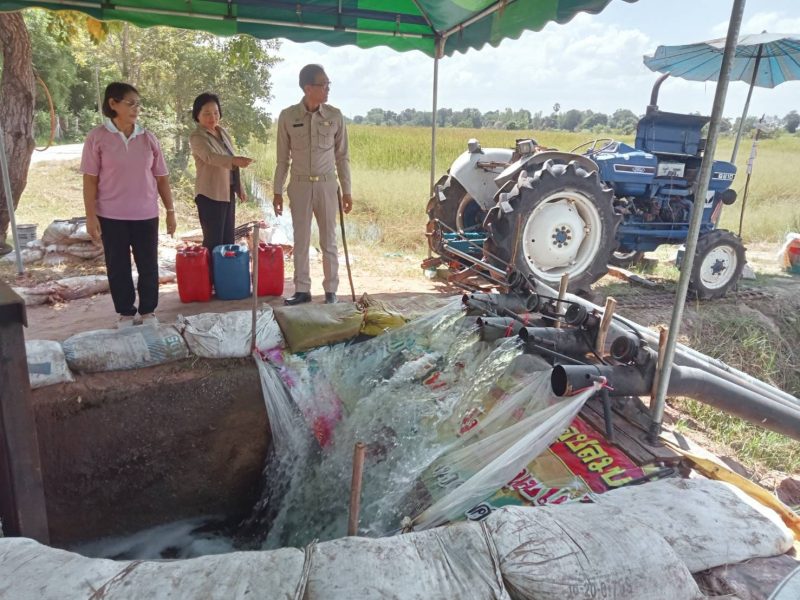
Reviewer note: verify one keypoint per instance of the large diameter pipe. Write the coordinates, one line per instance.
(685, 356)
(686, 382)
(564, 341)
(495, 328)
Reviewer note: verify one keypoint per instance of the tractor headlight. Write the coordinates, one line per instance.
(473, 145)
(526, 146)
(728, 197)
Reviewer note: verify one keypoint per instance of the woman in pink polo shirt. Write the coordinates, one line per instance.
(124, 174)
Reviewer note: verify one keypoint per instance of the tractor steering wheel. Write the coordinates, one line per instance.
(606, 144)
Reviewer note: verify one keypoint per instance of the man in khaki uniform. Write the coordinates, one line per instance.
(312, 148)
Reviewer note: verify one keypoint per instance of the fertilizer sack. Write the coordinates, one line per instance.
(46, 363)
(122, 349)
(309, 325)
(227, 335)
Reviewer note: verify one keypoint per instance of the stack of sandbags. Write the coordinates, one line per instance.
(67, 241)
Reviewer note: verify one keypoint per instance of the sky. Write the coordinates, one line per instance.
(593, 62)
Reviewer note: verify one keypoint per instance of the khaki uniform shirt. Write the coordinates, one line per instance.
(312, 145)
(213, 162)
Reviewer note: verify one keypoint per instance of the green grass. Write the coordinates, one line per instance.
(765, 350)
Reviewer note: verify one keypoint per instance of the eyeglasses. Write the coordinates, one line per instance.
(326, 85)
(132, 103)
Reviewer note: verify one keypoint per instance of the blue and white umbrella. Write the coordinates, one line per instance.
(763, 60)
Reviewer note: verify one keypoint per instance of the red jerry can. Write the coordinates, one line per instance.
(192, 265)
(270, 270)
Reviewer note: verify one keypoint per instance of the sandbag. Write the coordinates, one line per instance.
(84, 250)
(58, 232)
(224, 335)
(31, 571)
(379, 317)
(121, 349)
(28, 255)
(452, 562)
(83, 286)
(46, 363)
(80, 233)
(585, 551)
(32, 296)
(707, 523)
(309, 325)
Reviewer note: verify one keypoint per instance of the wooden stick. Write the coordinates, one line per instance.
(562, 291)
(605, 324)
(662, 343)
(355, 487)
(254, 251)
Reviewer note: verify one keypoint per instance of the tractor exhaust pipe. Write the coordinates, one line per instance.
(687, 382)
(653, 106)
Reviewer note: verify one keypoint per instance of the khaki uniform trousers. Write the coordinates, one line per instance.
(317, 198)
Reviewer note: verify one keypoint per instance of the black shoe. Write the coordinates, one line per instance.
(330, 298)
(298, 298)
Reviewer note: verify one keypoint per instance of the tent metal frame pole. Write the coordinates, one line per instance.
(747, 104)
(437, 53)
(10, 200)
(657, 409)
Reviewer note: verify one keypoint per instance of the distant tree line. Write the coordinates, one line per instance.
(621, 120)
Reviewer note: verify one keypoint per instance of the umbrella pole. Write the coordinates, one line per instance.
(10, 201)
(747, 104)
(750, 163)
(657, 408)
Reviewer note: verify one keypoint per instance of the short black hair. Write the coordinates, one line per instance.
(308, 74)
(202, 100)
(116, 91)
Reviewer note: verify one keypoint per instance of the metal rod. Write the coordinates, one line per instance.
(344, 244)
(499, 5)
(355, 487)
(746, 104)
(562, 290)
(10, 201)
(662, 342)
(477, 261)
(750, 164)
(697, 216)
(256, 245)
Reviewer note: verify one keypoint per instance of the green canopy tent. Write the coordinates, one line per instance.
(436, 27)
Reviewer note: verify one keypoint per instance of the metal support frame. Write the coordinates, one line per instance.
(747, 104)
(22, 504)
(694, 227)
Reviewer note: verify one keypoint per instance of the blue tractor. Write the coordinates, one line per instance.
(544, 213)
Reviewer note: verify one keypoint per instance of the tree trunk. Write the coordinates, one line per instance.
(17, 95)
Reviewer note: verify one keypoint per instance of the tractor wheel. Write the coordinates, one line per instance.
(625, 258)
(718, 263)
(458, 211)
(565, 223)
(444, 210)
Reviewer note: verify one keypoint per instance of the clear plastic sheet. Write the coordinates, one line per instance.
(422, 396)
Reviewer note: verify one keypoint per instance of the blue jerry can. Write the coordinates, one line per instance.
(231, 272)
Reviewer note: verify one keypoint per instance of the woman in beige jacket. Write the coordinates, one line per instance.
(218, 181)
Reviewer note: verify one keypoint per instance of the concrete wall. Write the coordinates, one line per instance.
(126, 450)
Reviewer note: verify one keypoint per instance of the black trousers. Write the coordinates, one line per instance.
(119, 238)
(218, 220)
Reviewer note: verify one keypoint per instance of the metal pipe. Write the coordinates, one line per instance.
(565, 341)
(495, 328)
(688, 382)
(477, 261)
(499, 302)
(653, 106)
(437, 50)
(256, 247)
(355, 487)
(747, 105)
(686, 356)
(694, 227)
(10, 201)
